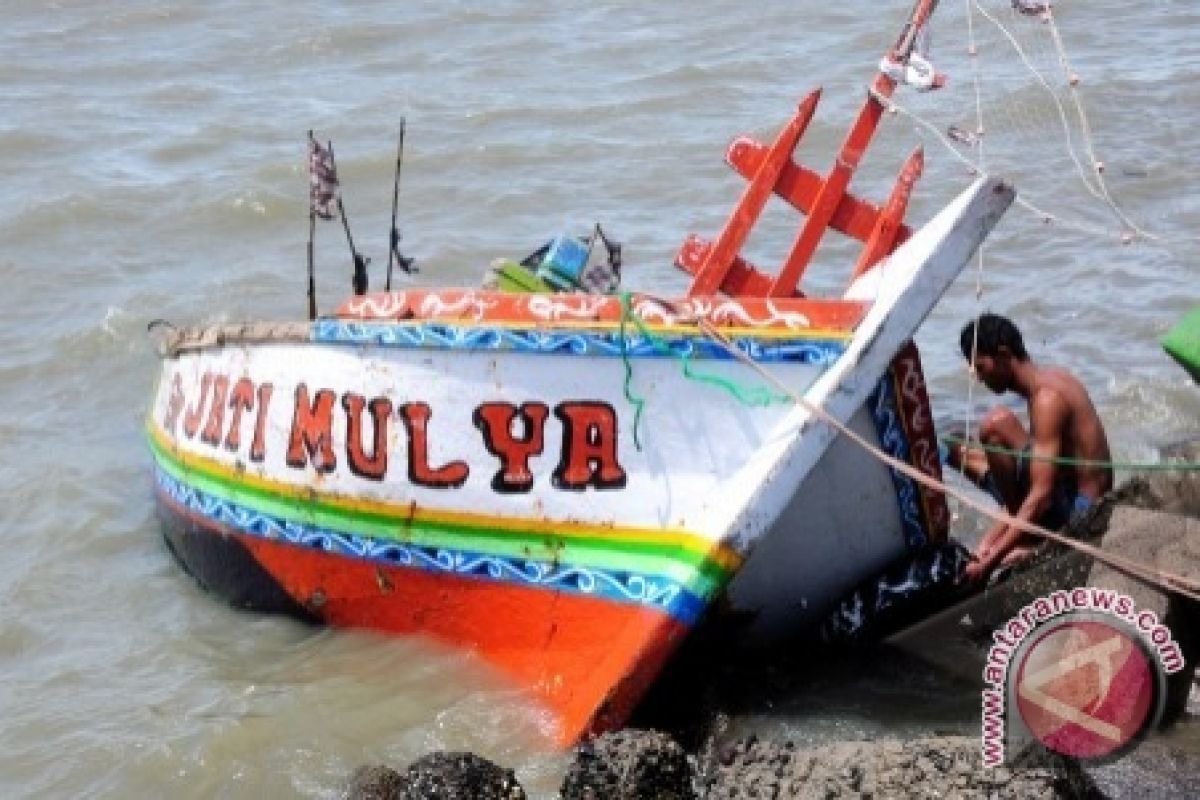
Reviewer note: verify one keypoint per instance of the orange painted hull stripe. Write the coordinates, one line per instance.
(586, 660)
(479, 307)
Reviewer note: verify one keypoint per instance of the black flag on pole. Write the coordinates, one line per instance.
(322, 180)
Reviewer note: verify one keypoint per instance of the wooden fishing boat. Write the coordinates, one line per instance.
(565, 483)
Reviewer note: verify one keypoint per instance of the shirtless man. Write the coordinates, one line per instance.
(1042, 484)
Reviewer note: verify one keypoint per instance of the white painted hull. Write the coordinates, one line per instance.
(422, 460)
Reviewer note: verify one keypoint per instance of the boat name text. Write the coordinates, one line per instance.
(233, 414)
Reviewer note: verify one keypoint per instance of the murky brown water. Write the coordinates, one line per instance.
(152, 162)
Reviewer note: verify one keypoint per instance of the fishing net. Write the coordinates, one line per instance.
(1014, 105)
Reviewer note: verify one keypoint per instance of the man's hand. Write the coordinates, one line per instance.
(977, 572)
(1019, 555)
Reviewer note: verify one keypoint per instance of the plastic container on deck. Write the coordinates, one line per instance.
(564, 261)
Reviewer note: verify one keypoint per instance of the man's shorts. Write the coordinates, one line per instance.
(1066, 502)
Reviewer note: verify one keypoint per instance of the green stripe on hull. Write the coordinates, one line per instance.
(698, 574)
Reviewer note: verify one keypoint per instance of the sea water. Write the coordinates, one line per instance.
(152, 166)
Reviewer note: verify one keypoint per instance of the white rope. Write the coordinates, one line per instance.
(1062, 112)
(1085, 126)
(980, 130)
(1149, 573)
(1099, 189)
(1021, 200)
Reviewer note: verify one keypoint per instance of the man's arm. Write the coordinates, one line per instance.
(1048, 415)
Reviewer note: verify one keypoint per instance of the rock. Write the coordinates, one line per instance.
(632, 764)
(919, 768)
(1170, 491)
(1171, 543)
(376, 783)
(460, 776)
(1155, 769)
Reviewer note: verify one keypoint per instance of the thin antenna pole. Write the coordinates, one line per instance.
(312, 226)
(359, 279)
(394, 236)
(312, 280)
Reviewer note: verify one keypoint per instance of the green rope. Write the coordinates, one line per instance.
(748, 395)
(1075, 462)
(639, 403)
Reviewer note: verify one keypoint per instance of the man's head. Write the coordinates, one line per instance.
(996, 344)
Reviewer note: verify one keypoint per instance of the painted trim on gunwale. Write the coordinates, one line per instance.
(480, 305)
(819, 348)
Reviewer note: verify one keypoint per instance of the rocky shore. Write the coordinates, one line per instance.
(701, 760)
(633, 765)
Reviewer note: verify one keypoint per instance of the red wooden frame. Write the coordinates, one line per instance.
(825, 200)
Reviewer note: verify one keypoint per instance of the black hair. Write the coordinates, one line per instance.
(995, 331)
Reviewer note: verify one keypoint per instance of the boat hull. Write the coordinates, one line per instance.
(850, 518)
(567, 648)
(498, 492)
(563, 484)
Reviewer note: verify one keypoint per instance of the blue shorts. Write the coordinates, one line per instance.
(1066, 501)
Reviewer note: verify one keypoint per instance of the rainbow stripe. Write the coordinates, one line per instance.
(673, 570)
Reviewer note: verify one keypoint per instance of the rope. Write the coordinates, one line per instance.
(1132, 466)
(1085, 126)
(1169, 581)
(1062, 112)
(638, 402)
(977, 79)
(1043, 214)
(744, 394)
(1098, 189)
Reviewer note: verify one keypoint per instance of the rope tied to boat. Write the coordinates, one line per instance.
(638, 402)
(1059, 86)
(744, 393)
(1178, 584)
(1132, 466)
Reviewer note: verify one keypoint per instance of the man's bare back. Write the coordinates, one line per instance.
(1083, 438)
(1045, 474)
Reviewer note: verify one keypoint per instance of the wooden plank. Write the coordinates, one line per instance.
(754, 198)
(743, 279)
(833, 189)
(798, 186)
(912, 405)
(883, 237)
